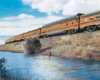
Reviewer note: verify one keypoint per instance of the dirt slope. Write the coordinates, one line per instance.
(12, 47)
(78, 46)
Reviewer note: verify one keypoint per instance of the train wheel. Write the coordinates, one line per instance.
(98, 27)
(64, 32)
(69, 32)
(82, 29)
(91, 28)
(72, 31)
(44, 36)
(75, 30)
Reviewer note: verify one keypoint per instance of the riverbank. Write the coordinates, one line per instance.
(12, 47)
(76, 46)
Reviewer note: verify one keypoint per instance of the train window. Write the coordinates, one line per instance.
(67, 24)
(97, 16)
(85, 19)
(91, 18)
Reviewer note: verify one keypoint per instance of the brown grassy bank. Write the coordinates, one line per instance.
(77, 46)
(12, 47)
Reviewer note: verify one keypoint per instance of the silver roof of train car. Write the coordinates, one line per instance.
(59, 21)
(69, 19)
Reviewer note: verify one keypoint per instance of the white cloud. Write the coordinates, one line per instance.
(23, 23)
(81, 6)
(21, 16)
(2, 41)
(48, 6)
(68, 7)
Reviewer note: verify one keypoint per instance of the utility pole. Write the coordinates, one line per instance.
(40, 33)
(78, 17)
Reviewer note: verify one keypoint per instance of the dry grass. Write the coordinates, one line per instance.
(79, 46)
(12, 47)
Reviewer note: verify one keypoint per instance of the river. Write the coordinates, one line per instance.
(44, 68)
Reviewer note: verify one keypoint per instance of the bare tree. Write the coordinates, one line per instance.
(32, 45)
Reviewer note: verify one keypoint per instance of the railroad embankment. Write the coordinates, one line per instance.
(12, 47)
(76, 46)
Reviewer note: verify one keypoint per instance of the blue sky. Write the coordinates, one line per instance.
(19, 16)
(15, 7)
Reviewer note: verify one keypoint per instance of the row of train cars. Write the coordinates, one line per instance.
(74, 24)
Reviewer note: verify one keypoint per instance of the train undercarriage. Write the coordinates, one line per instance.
(73, 31)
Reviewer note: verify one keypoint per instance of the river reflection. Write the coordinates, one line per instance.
(53, 68)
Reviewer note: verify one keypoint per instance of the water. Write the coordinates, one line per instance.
(53, 68)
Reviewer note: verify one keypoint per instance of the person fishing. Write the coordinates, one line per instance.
(49, 53)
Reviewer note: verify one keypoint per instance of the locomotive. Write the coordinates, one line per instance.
(80, 22)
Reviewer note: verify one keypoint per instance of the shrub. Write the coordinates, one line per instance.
(32, 45)
(2, 67)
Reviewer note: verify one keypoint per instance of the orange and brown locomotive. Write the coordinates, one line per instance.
(77, 23)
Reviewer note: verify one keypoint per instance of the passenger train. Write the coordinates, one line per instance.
(74, 24)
